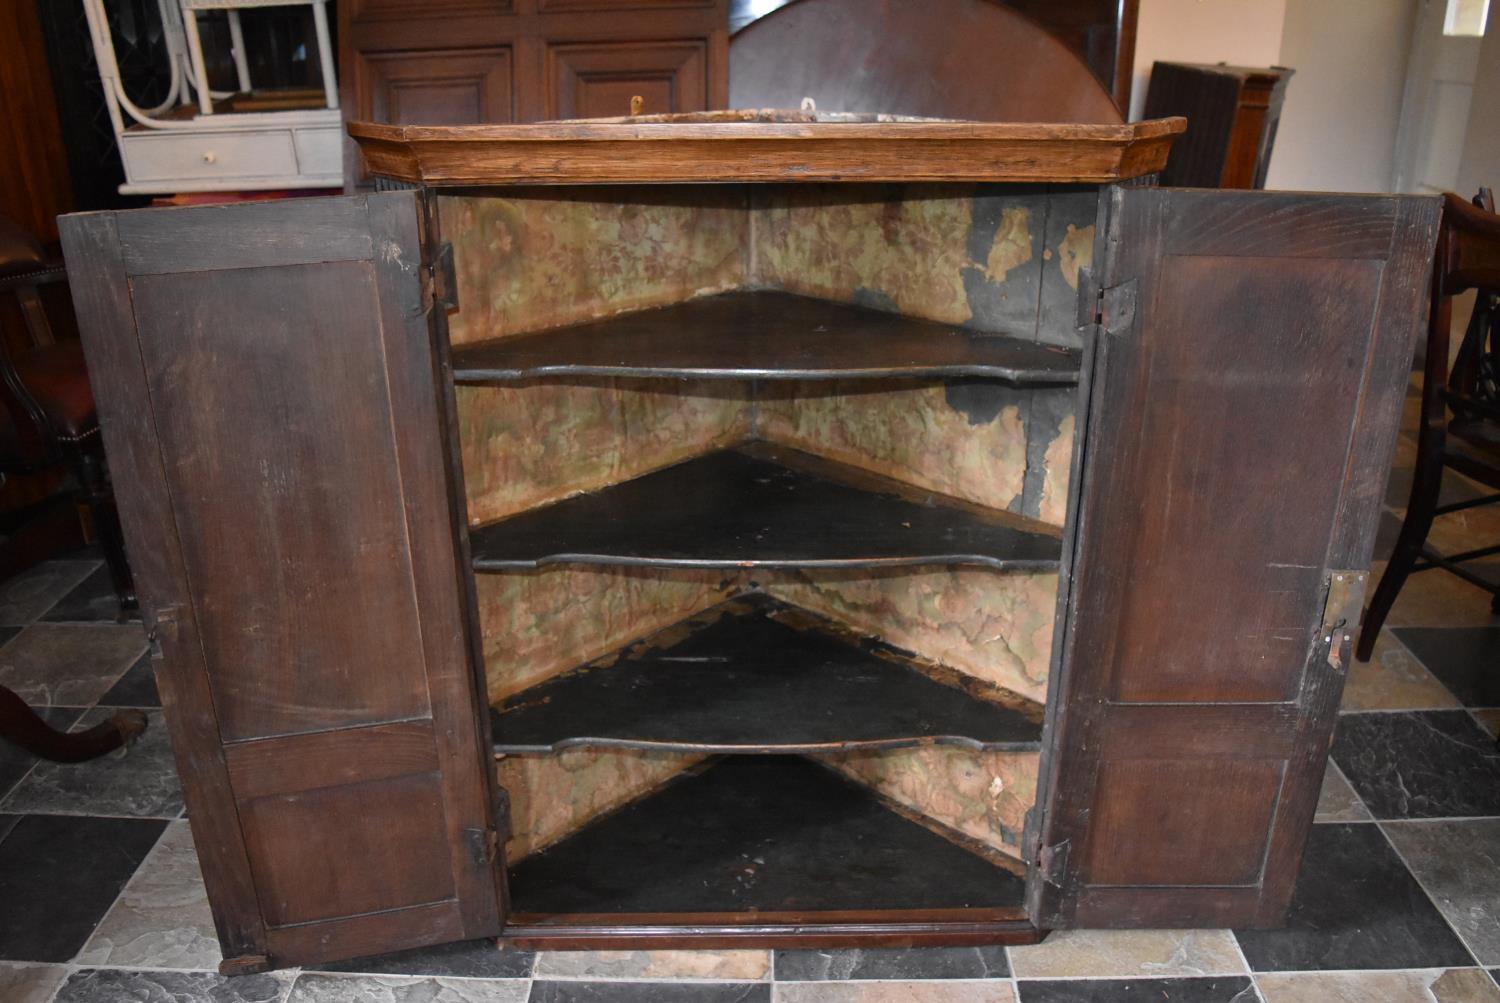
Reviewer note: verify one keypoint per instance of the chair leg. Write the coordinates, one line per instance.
(1427, 484)
(89, 468)
(21, 725)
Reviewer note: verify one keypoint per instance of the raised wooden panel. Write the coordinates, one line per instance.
(598, 80)
(1284, 370)
(1245, 391)
(308, 618)
(306, 870)
(437, 87)
(1212, 842)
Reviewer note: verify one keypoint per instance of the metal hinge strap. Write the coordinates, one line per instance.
(1052, 862)
(1117, 307)
(1344, 597)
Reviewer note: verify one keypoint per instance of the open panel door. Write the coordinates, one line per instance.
(269, 389)
(1249, 370)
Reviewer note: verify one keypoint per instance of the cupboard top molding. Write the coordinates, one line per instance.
(742, 149)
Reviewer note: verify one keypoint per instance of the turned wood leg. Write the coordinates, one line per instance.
(21, 725)
(89, 468)
(1427, 483)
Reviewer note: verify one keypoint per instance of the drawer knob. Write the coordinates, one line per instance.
(210, 157)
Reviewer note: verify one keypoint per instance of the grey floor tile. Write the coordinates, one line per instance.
(106, 985)
(136, 688)
(161, 919)
(472, 959)
(1356, 906)
(949, 991)
(29, 594)
(1337, 801)
(16, 762)
(23, 983)
(1420, 764)
(1458, 862)
(69, 665)
(1451, 985)
(1466, 659)
(59, 875)
(92, 599)
(723, 966)
(547, 991)
(1220, 989)
(138, 781)
(893, 963)
(320, 988)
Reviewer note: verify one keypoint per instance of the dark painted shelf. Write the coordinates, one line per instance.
(757, 675)
(762, 334)
(761, 506)
(770, 834)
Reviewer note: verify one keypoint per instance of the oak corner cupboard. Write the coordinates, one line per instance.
(750, 528)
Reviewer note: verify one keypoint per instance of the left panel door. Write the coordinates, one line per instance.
(269, 386)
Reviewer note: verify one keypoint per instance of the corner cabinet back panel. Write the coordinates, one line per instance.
(1245, 395)
(269, 385)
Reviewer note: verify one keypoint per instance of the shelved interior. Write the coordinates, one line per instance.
(766, 490)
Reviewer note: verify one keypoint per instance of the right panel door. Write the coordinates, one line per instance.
(1245, 396)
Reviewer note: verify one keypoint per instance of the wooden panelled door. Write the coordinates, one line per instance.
(1250, 365)
(270, 390)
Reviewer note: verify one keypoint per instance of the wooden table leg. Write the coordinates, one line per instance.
(21, 725)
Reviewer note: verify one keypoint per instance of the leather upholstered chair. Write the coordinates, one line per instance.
(48, 416)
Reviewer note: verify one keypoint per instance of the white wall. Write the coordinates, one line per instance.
(1338, 127)
(1242, 32)
(1481, 158)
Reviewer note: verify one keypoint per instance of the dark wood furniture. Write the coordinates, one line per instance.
(1099, 32)
(459, 62)
(47, 413)
(1459, 423)
(967, 59)
(422, 479)
(1232, 114)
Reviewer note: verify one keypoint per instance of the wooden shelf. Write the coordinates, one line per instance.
(765, 334)
(764, 146)
(762, 506)
(764, 834)
(757, 675)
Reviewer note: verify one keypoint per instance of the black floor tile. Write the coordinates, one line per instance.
(1466, 659)
(15, 762)
(1420, 764)
(1220, 989)
(7, 823)
(473, 959)
(892, 963)
(136, 688)
(28, 595)
(108, 985)
(90, 600)
(59, 874)
(140, 782)
(1356, 906)
(650, 992)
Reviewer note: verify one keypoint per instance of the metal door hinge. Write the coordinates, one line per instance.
(502, 813)
(1344, 597)
(484, 845)
(1052, 862)
(165, 618)
(440, 281)
(1117, 307)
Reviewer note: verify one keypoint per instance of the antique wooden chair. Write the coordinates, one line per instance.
(48, 416)
(48, 419)
(1468, 257)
